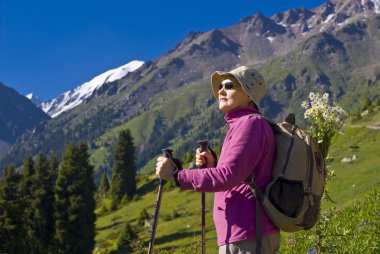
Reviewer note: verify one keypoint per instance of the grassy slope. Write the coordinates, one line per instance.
(353, 179)
(172, 107)
(183, 232)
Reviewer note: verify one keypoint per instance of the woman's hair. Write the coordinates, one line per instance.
(253, 104)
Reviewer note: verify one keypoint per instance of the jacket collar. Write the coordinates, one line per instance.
(233, 115)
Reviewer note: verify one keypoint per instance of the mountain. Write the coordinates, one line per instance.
(17, 115)
(70, 99)
(35, 99)
(168, 101)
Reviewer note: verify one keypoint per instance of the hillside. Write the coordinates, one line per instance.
(179, 225)
(17, 115)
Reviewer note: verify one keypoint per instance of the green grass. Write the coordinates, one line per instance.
(353, 229)
(141, 126)
(354, 178)
(171, 233)
(181, 233)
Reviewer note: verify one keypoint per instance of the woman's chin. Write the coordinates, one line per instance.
(224, 108)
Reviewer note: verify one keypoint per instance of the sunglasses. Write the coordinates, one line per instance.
(227, 86)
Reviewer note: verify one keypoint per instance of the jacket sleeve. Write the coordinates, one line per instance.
(246, 146)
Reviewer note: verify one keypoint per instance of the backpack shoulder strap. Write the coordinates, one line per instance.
(250, 181)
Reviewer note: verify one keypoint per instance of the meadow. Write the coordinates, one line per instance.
(350, 223)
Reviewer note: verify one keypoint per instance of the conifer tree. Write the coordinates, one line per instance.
(11, 212)
(89, 196)
(104, 185)
(27, 177)
(124, 175)
(143, 216)
(126, 235)
(43, 206)
(75, 203)
(26, 190)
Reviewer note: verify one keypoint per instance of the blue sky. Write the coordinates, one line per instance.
(48, 47)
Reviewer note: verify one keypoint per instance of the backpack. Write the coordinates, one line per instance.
(292, 198)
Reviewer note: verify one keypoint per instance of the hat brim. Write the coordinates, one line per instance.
(217, 77)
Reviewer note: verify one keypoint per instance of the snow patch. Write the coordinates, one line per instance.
(73, 98)
(270, 38)
(329, 17)
(376, 3)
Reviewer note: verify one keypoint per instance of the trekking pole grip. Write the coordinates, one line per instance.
(168, 153)
(203, 148)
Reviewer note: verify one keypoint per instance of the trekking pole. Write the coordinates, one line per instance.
(168, 154)
(203, 148)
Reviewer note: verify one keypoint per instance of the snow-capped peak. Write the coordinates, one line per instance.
(29, 96)
(34, 98)
(73, 98)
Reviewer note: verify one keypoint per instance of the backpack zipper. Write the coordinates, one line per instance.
(289, 150)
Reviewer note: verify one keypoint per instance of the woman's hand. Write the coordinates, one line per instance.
(204, 159)
(165, 168)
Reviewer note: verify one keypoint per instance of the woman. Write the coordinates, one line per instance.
(248, 148)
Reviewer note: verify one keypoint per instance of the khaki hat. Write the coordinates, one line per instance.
(250, 80)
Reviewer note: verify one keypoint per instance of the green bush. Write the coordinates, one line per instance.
(143, 216)
(126, 235)
(354, 229)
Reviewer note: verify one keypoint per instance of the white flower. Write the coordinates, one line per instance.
(307, 113)
(314, 104)
(324, 119)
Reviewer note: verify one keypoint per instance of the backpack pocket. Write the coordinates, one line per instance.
(287, 196)
(312, 213)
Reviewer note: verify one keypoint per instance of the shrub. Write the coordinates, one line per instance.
(354, 229)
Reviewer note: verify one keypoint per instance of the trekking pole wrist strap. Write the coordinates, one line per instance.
(177, 169)
(213, 155)
(175, 175)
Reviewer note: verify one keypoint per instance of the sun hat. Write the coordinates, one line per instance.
(250, 80)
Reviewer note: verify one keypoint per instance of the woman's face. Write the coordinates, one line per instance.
(231, 97)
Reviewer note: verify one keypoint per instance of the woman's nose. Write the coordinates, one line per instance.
(222, 91)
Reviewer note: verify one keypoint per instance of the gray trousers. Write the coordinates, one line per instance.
(270, 245)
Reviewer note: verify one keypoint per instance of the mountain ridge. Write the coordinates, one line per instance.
(328, 58)
(70, 99)
(17, 115)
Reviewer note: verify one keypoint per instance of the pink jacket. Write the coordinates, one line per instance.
(249, 147)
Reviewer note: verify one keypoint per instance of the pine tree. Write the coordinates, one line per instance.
(43, 206)
(26, 190)
(52, 172)
(89, 197)
(143, 216)
(126, 235)
(124, 175)
(27, 177)
(11, 212)
(104, 185)
(75, 203)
